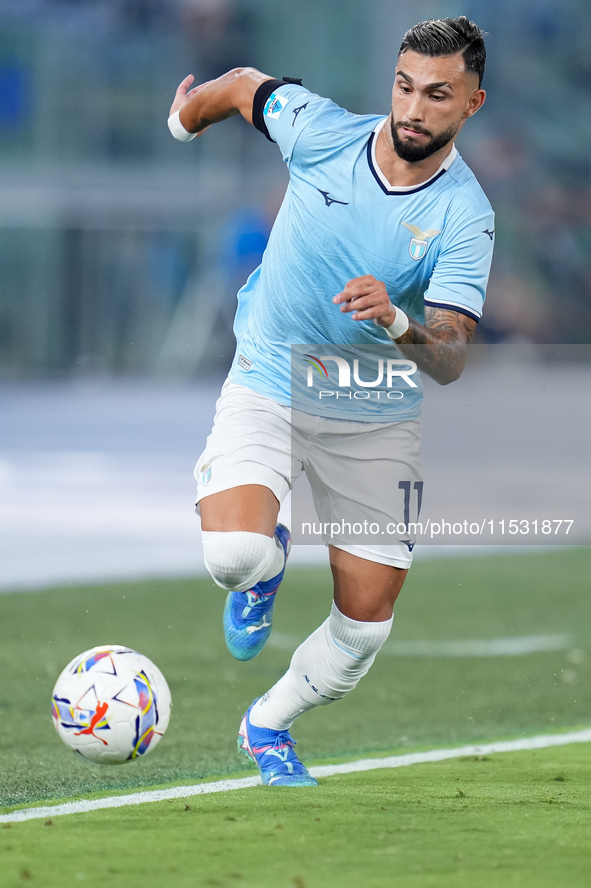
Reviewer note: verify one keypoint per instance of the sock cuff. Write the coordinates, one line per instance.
(359, 636)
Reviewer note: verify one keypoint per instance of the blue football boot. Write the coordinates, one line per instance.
(273, 752)
(248, 616)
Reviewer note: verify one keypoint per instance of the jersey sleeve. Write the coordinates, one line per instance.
(460, 276)
(283, 111)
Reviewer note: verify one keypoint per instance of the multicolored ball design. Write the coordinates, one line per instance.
(111, 705)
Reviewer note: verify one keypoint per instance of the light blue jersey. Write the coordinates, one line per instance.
(340, 219)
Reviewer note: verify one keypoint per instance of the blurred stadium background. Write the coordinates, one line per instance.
(114, 238)
(122, 250)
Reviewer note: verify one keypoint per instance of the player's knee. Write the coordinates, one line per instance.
(237, 559)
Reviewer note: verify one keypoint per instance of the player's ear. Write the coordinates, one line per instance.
(475, 102)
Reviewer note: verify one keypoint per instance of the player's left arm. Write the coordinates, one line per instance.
(207, 103)
(447, 336)
(439, 346)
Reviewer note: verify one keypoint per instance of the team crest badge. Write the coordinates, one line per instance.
(418, 248)
(205, 471)
(420, 242)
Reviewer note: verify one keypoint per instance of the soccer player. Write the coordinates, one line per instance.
(384, 242)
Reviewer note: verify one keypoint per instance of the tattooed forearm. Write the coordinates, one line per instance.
(440, 345)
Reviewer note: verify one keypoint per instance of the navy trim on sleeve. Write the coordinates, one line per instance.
(260, 100)
(449, 307)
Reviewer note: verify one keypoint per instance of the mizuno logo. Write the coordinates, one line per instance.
(330, 200)
(296, 111)
(409, 544)
(490, 233)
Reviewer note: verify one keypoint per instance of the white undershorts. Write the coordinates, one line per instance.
(366, 478)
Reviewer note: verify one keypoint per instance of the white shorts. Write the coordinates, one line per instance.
(365, 478)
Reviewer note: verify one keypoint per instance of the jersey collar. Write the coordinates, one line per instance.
(402, 189)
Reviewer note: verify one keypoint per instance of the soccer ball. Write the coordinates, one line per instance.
(111, 705)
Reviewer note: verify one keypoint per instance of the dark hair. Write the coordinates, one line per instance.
(438, 37)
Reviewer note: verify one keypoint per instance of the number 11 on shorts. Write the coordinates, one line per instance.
(406, 487)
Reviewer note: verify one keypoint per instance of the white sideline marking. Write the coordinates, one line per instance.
(512, 646)
(395, 761)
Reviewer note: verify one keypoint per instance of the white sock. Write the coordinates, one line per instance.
(324, 668)
(237, 559)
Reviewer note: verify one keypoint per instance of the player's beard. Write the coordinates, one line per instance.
(413, 152)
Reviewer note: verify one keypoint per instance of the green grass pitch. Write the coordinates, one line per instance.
(513, 819)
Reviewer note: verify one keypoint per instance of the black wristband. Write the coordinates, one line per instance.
(260, 100)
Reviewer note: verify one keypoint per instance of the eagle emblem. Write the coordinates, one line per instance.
(419, 243)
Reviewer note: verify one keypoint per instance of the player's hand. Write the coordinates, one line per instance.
(368, 300)
(184, 94)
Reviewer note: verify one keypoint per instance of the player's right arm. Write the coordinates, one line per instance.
(231, 94)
